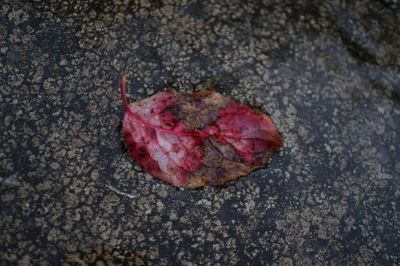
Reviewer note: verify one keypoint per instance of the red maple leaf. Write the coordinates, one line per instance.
(193, 139)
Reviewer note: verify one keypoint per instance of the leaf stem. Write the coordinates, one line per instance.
(123, 93)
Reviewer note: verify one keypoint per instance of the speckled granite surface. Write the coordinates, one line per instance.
(328, 73)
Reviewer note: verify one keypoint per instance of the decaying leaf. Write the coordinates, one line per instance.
(196, 139)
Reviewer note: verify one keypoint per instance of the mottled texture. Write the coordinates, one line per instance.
(327, 72)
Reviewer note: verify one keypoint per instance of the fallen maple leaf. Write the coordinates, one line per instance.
(194, 139)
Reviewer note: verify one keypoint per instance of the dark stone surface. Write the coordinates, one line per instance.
(328, 73)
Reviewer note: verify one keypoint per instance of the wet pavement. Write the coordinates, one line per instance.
(328, 73)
